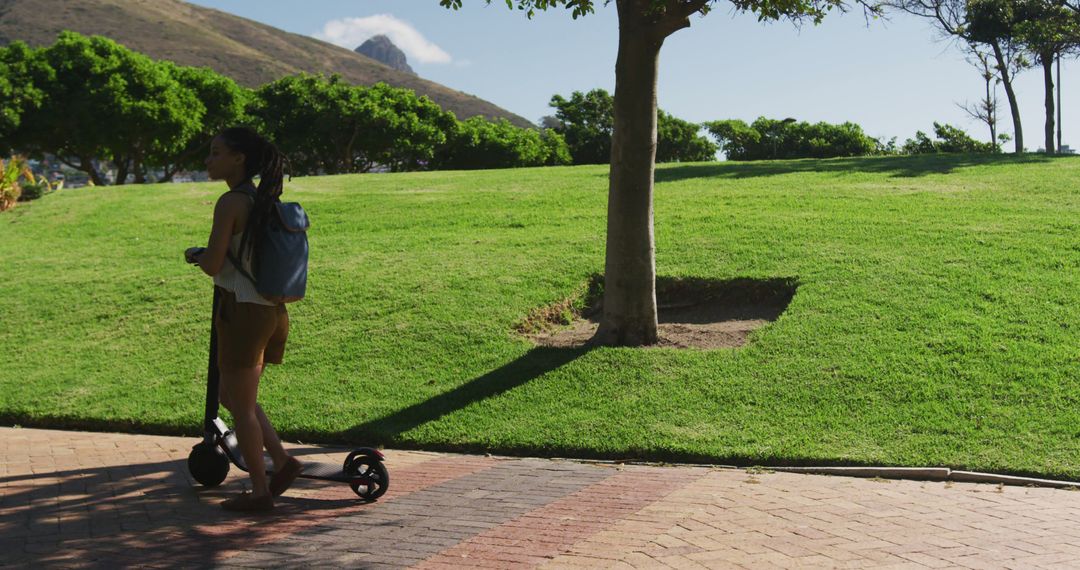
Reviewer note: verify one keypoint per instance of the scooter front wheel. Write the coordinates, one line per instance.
(208, 464)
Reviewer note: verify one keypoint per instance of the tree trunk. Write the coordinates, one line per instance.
(991, 102)
(1047, 60)
(630, 263)
(168, 172)
(348, 156)
(1006, 81)
(138, 169)
(86, 165)
(1058, 65)
(122, 166)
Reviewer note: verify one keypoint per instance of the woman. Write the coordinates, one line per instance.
(251, 330)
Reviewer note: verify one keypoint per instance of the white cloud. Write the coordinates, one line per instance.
(351, 32)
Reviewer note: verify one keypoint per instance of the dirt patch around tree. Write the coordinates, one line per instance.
(692, 312)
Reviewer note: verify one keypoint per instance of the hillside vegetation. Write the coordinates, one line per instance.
(936, 319)
(249, 52)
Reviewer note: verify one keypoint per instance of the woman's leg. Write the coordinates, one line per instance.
(271, 441)
(242, 386)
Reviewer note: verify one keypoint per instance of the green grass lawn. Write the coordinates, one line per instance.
(936, 322)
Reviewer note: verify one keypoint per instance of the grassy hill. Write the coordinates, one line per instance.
(249, 52)
(936, 321)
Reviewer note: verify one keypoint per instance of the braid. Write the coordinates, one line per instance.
(264, 159)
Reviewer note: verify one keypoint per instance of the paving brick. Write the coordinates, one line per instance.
(76, 499)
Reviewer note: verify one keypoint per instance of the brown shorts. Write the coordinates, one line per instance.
(249, 334)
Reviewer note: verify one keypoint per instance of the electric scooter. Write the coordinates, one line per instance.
(208, 462)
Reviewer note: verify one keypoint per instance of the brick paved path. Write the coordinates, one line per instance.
(73, 499)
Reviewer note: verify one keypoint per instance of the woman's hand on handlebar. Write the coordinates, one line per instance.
(191, 254)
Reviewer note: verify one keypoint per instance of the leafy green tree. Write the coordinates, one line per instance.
(973, 22)
(403, 130)
(557, 151)
(23, 72)
(1048, 30)
(327, 126)
(587, 121)
(737, 140)
(479, 143)
(108, 102)
(223, 104)
(679, 141)
(630, 261)
(314, 120)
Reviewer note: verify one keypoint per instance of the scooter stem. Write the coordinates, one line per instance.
(213, 378)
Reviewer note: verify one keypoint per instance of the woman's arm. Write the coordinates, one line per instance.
(229, 209)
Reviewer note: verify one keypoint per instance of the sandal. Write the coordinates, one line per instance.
(283, 478)
(247, 503)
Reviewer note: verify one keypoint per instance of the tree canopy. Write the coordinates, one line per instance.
(665, 12)
(23, 73)
(97, 105)
(587, 121)
(101, 100)
(223, 104)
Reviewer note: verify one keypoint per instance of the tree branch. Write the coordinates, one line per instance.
(75, 166)
(677, 16)
(946, 13)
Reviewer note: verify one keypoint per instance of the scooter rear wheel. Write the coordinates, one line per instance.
(368, 477)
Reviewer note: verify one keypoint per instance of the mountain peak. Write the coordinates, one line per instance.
(382, 50)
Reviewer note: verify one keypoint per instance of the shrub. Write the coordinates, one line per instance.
(783, 139)
(479, 143)
(950, 139)
(33, 191)
(679, 141)
(10, 172)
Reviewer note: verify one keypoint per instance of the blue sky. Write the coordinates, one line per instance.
(893, 77)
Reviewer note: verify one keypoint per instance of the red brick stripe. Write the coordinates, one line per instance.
(545, 532)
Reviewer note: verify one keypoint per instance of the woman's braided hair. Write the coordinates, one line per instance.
(264, 159)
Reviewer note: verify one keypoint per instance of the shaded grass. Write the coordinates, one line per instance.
(935, 321)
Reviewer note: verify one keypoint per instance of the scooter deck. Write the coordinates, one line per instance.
(325, 471)
(308, 469)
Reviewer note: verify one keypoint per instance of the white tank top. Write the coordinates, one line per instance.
(232, 280)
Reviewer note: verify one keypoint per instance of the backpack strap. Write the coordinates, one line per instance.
(240, 267)
(247, 189)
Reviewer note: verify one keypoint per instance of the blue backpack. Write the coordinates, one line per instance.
(280, 264)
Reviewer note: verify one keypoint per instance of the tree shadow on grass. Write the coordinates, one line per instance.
(533, 364)
(896, 166)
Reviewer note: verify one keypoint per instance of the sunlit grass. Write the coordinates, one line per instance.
(937, 319)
